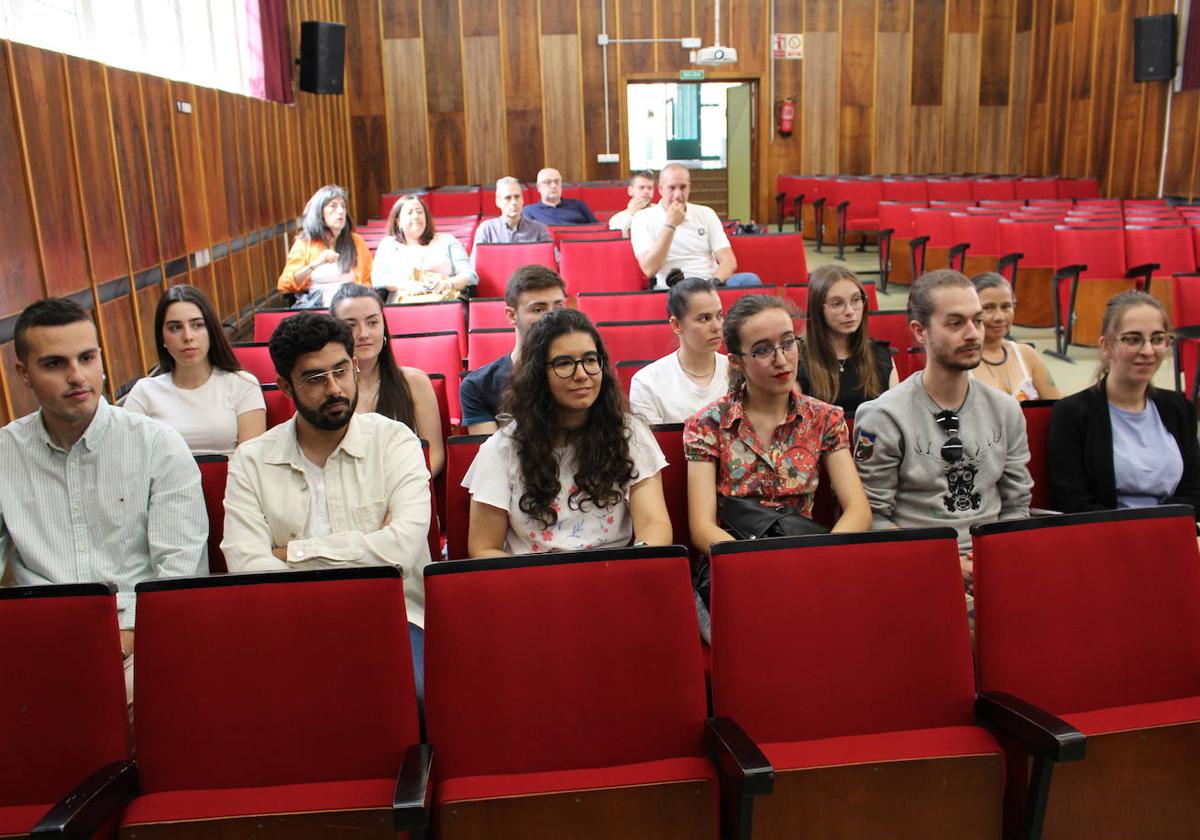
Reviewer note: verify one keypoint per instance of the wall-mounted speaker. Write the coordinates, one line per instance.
(1154, 48)
(322, 56)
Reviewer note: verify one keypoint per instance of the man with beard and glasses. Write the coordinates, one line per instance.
(939, 448)
(329, 488)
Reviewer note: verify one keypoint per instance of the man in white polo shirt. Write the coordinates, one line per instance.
(675, 234)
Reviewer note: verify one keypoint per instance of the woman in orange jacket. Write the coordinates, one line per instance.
(327, 252)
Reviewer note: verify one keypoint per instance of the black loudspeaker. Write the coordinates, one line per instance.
(1154, 48)
(322, 56)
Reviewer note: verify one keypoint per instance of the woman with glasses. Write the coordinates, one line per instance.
(1016, 369)
(839, 363)
(673, 388)
(327, 252)
(573, 470)
(1123, 442)
(764, 440)
(384, 387)
(200, 389)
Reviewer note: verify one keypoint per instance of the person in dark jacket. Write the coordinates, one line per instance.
(1122, 442)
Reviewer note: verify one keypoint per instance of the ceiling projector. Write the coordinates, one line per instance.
(715, 55)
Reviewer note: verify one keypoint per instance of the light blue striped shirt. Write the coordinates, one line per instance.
(123, 505)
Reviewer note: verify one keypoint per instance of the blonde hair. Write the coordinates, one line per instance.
(1115, 310)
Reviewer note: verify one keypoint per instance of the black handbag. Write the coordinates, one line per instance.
(747, 519)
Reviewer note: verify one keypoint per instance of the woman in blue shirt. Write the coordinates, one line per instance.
(1122, 442)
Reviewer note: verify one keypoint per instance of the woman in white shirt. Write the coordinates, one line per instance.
(384, 387)
(201, 389)
(673, 388)
(414, 262)
(574, 470)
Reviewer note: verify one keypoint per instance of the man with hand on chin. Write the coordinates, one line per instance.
(939, 448)
(330, 487)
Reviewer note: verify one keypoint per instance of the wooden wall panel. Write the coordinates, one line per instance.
(23, 401)
(929, 47)
(674, 21)
(925, 149)
(189, 166)
(207, 108)
(592, 79)
(784, 153)
(121, 358)
(133, 168)
(484, 77)
(148, 298)
(1183, 145)
(892, 101)
(820, 103)
(444, 88)
(563, 110)
(1057, 97)
(857, 46)
(20, 271)
(522, 88)
(233, 148)
(748, 25)
(635, 19)
(42, 99)
(995, 51)
(1019, 101)
(157, 110)
(961, 110)
(408, 139)
(991, 147)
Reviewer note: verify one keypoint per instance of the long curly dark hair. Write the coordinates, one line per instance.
(603, 466)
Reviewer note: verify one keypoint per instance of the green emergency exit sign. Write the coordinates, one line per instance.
(691, 75)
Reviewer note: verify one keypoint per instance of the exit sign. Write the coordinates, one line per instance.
(691, 75)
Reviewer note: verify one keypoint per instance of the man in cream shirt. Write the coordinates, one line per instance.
(330, 487)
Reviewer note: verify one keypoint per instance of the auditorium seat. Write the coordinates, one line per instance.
(435, 352)
(438, 381)
(819, 195)
(495, 263)
(891, 325)
(981, 234)
(616, 306)
(280, 704)
(560, 232)
(255, 358)
(1090, 269)
(993, 189)
(604, 196)
(455, 201)
(1078, 188)
(1027, 261)
(280, 407)
(266, 320)
(565, 698)
(950, 189)
(460, 452)
(906, 190)
(487, 314)
(600, 266)
(847, 658)
(933, 243)
(777, 258)
(895, 238)
(626, 370)
(214, 470)
(797, 295)
(1028, 189)
(408, 318)
(64, 728)
(1169, 249)
(625, 340)
(485, 346)
(674, 480)
(1037, 430)
(857, 209)
(1095, 617)
(789, 195)
(730, 295)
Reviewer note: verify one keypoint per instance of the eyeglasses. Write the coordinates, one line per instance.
(1136, 341)
(839, 305)
(765, 355)
(564, 366)
(340, 375)
(952, 449)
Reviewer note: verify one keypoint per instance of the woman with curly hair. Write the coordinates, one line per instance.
(327, 252)
(574, 470)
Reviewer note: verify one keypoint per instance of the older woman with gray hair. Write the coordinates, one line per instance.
(327, 252)
(1016, 369)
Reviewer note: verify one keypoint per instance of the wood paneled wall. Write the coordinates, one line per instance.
(110, 192)
(1182, 176)
(463, 92)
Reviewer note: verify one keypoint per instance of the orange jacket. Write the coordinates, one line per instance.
(305, 252)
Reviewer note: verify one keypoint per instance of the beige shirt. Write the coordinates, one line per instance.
(377, 470)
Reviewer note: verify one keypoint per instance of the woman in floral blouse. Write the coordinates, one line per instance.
(764, 440)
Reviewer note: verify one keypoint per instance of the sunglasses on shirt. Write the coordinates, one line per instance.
(952, 449)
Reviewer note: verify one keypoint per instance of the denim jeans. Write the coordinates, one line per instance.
(743, 278)
(416, 640)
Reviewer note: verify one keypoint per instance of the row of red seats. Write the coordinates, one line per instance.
(844, 693)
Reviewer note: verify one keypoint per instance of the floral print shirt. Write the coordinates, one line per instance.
(785, 469)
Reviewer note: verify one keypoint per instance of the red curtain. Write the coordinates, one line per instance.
(1191, 50)
(270, 51)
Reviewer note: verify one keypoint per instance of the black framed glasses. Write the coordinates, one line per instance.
(952, 449)
(564, 366)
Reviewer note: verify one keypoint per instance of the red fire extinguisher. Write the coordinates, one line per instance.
(785, 116)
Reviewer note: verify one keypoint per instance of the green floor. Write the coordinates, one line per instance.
(1071, 376)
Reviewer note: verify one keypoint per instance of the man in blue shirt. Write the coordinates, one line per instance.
(553, 209)
(532, 291)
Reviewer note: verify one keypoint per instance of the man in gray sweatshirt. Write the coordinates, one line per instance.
(939, 448)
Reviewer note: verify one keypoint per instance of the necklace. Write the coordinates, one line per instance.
(697, 375)
(842, 365)
(1003, 360)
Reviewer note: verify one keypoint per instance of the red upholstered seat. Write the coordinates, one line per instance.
(256, 359)
(603, 196)
(1085, 188)
(858, 208)
(623, 306)
(1082, 295)
(1037, 430)
(891, 325)
(625, 340)
(62, 699)
(455, 201)
(994, 189)
(266, 320)
(413, 318)
(851, 650)
(485, 346)
(1137, 716)
(951, 189)
(601, 265)
(271, 693)
(460, 452)
(626, 370)
(486, 313)
(214, 470)
(280, 407)
(436, 352)
(777, 258)
(1036, 188)
(576, 672)
(674, 480)
(495, 263)
(906, 190)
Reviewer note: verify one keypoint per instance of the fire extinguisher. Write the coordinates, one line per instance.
(785, 116)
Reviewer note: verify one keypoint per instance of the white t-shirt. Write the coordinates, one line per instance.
(205, 416)
(318, 523)
(662, 393)
(495, 479)
(697, 238)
